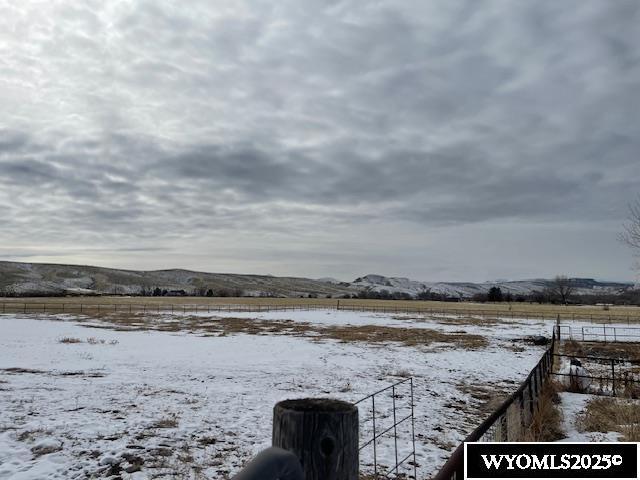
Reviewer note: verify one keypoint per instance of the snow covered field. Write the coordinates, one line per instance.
(191, 396)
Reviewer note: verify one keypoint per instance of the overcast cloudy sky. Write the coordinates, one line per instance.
(434, 139)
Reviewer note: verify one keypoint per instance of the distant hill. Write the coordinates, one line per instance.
(53, 279)
(582, 286)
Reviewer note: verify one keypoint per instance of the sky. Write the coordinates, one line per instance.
(440, 140)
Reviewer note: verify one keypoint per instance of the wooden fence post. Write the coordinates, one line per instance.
(322, 433)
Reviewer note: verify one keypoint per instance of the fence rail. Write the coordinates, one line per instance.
(379, 432)
(74, 307)
(602, 333)
(509, 422)
(601, 375)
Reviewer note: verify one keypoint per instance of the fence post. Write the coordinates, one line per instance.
(613, 377)
(523, 412)
(322, 433)
(413, 432)
(395, 424)
(529, 387)
(539, 369)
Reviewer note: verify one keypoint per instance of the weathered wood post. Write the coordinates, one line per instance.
(322, 433)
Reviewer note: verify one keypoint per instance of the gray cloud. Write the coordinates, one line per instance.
(146, 126)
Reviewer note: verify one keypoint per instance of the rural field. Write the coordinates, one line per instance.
(325, 240)
(514, 310)
(161, 395)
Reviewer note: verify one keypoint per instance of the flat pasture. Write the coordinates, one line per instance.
(170, 395)
(158, 395)
(629, 314)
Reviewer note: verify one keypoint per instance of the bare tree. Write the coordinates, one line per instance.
(631, 230)
(562, 287)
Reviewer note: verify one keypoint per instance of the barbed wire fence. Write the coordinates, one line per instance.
(196, 308)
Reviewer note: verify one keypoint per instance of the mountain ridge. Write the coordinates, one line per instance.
(583, 286)
(20, 278)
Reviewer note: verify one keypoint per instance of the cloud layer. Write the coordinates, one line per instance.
(321, 138)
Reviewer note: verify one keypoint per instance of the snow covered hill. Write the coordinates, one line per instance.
(52, 279)
(379, 283)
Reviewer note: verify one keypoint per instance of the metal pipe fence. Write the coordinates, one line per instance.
(604, 333)
(404, 463)
(510, 421)
(599, 375)
(609, 376)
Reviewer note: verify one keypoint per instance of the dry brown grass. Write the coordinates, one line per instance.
(626, 350)
(550, 312)
(346, 334)
(407, 336)
(489, 397)
(207, 440)
(630, 389)
(170, 421)
(19, 370)
(30, 435)
(467, 320)
(546, 423)
(66, 373)
(608, 414)
(90, 341)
